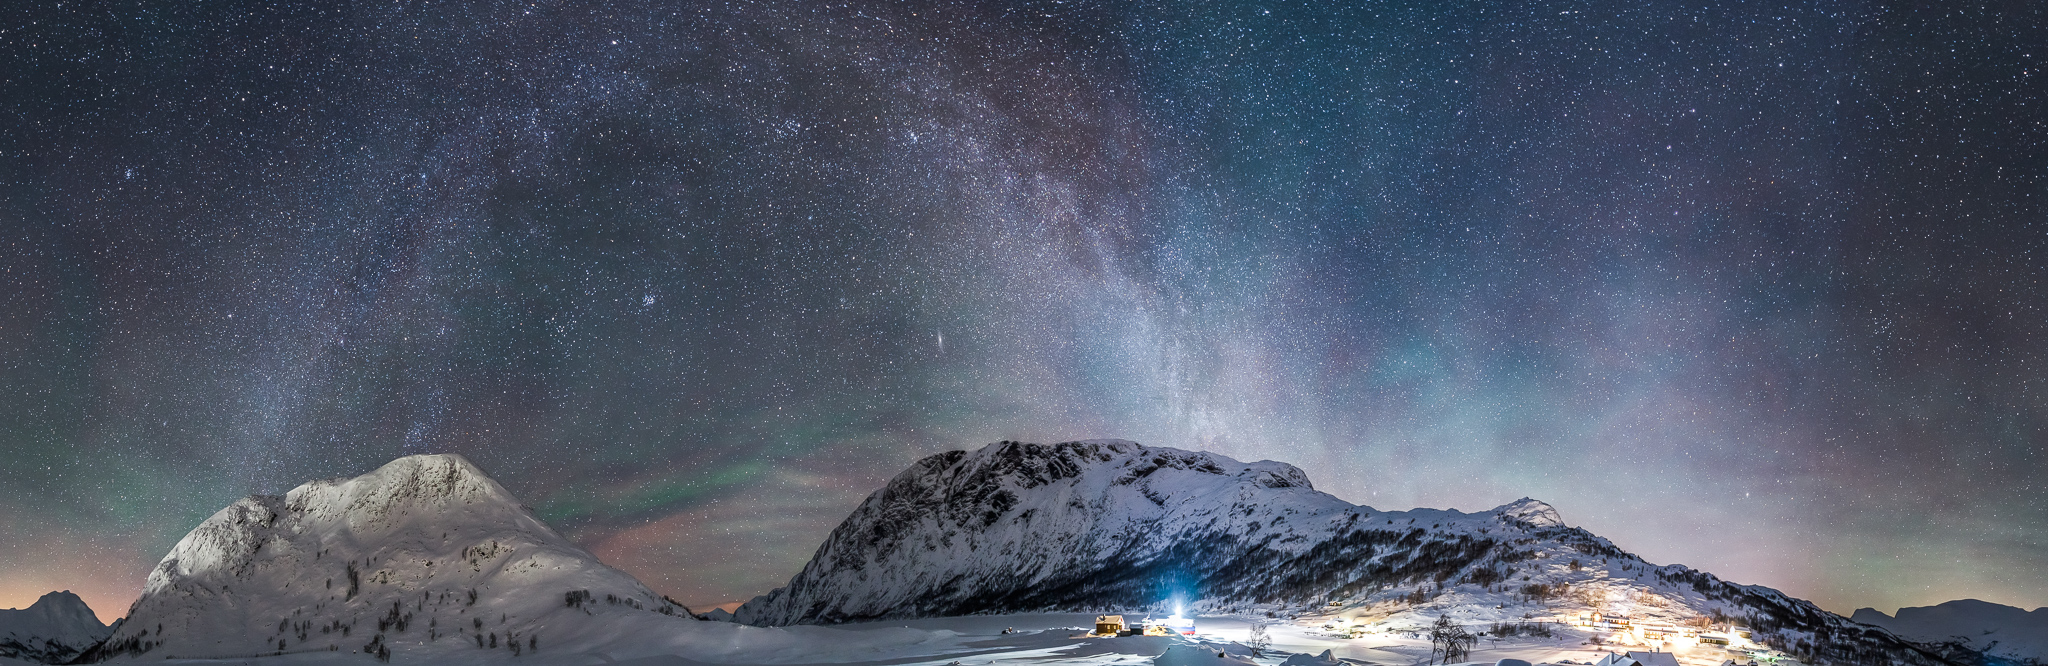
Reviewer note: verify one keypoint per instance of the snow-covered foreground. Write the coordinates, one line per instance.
(1050, 639)
(1567, 646)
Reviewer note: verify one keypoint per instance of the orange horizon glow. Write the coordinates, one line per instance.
(107, 603)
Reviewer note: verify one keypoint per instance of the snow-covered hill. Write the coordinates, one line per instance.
(426, 559)
(1108, 524)
(52, 630)
(425, 555)
(1995, 629)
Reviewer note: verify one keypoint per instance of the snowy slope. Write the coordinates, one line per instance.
(1019, 526)
(1995, 629)
(54, 629)
(424, 555)
(1110, 524)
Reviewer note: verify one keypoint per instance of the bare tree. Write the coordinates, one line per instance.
(1259, 640)
(1449, 642)
(1594, 599)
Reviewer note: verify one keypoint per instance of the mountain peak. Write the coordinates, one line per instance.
(433, 475)
(2000, 630)
(1027, 525)
(1531, 511)
(62, 608)
(1077, 526)
(1030, 464)
(60, 601)
(415, 485)
(55, 628)
(429, 536)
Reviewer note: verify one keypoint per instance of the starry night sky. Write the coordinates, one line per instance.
(1756, 288)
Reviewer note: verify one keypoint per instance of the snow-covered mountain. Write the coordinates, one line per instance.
(52, 630)
(1994, 629)
(1110, 524)
(424, 557)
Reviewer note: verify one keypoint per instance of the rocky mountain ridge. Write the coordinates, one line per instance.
(1997, 630)
(1111, 524)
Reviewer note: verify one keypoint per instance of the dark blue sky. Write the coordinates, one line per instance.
(1755, 288)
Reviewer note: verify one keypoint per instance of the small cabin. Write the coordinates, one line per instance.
(1109, 625)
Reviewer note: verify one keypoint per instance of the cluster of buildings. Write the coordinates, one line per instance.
(1114, 625)
(1621, 629)
(1653, 633)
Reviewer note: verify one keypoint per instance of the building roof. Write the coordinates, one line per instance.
(1654, 658)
